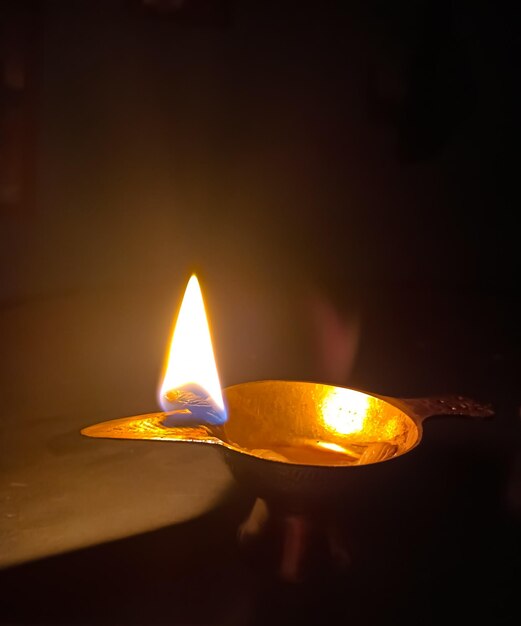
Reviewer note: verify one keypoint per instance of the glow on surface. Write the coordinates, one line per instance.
(191, 358)
(344, 411)
(334, 447)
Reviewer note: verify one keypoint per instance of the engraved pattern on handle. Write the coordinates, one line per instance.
(449, 405)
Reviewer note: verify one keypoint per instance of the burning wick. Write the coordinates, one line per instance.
(191, 403)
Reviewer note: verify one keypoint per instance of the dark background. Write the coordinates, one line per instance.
(342, 176)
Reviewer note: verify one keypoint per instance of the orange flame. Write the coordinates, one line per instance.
(191, 362)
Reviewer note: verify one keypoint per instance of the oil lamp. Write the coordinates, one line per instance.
(299, 447)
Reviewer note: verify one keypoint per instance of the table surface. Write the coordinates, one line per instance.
(61, 491)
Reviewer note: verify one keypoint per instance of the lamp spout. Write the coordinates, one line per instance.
(153, 426)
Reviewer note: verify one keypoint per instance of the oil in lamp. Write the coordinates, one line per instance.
(299, 447)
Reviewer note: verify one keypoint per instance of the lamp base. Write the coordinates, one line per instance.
(304, 542)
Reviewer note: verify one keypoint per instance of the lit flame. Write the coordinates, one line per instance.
(344, 410)
(191, 383)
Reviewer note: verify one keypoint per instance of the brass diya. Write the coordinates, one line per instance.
(299, 444)
(299, 447)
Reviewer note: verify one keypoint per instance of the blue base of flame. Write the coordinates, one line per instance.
(191, 404)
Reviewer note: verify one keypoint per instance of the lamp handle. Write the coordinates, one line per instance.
(448, 405)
